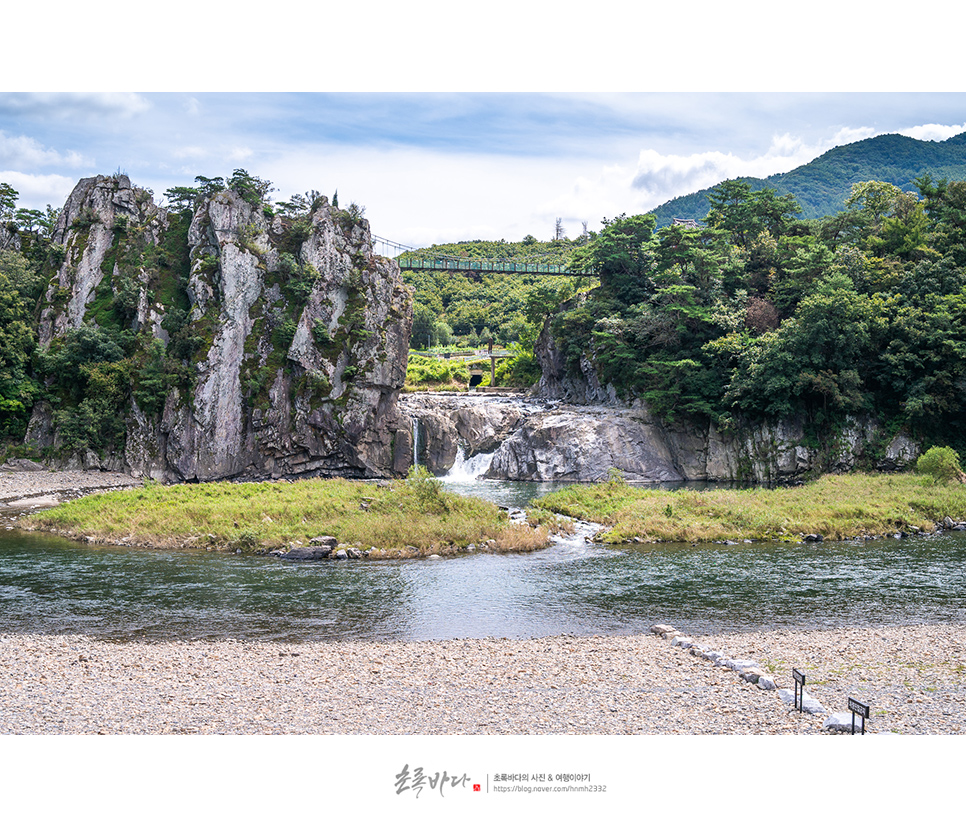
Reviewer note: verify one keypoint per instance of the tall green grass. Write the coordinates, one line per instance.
(410, 517)
(834, 506)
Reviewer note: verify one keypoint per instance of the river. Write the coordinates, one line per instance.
(50, 585)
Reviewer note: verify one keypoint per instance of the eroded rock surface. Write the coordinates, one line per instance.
(292, 335)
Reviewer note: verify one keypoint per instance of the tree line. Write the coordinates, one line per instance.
(758, 313)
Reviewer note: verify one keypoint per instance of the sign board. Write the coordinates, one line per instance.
(799, 678)
(860, 709)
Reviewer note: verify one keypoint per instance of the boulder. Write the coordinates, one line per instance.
(306, 554)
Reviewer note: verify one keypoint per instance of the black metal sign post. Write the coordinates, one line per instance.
(800, 689)
(858, 708)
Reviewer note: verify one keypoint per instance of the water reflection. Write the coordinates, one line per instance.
(55, 586)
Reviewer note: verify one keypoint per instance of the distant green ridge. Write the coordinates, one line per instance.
(822, 185)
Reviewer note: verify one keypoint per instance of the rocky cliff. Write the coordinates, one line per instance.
(531, 439)
(281, 341)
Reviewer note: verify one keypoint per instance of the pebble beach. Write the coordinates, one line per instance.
(911, 676)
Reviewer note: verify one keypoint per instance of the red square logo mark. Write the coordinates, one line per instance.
(476, 787)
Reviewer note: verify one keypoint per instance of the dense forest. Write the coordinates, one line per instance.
(466, 309)
(822, 186)
(760, 314)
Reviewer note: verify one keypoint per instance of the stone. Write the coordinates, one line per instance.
(809, 704)
(22, 465)
(569, 444)
(841, 722)
(767, 682)
(739, 665)
(304, 554)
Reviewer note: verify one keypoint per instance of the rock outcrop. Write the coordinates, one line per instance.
(534, 440)
(292, 336)
(442, 424)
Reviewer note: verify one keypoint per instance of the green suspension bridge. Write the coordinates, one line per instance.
(469, 265)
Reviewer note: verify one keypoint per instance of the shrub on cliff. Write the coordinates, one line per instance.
(941, 464)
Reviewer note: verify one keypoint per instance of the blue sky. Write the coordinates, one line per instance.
(449, 166)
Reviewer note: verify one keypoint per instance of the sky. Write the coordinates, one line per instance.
(439, 167)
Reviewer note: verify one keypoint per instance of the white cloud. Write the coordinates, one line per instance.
(238, 154)
(931, 132)
(848, 135)
(74, 106)
(660, 177)
(26, 152)
(219, 153)
(190, 152)
(38, 190)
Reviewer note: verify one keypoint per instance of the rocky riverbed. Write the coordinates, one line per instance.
(912, 677)
(25, 485)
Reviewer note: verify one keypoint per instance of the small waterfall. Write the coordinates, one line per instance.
(415, 441)
(466, 470)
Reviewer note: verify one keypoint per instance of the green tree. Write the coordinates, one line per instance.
(17, 390)
(813, 361)
(182, 197)
(620, 256)
(941, 464)
(744, 214)
(251, 189)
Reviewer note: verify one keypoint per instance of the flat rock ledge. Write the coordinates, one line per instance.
(750, 672)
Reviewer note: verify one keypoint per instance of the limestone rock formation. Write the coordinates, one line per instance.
(570, 444)
(540, 440)
(288, 336)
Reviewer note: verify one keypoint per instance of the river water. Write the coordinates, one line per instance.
(49, 585)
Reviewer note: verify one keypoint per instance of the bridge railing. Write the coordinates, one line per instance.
(468, 265)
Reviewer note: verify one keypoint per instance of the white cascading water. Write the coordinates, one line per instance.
(415, 441)
(466, 470)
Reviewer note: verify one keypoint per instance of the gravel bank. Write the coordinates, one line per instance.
(912, 676)
(22, 489)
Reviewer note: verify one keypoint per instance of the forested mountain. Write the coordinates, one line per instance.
(822, 185)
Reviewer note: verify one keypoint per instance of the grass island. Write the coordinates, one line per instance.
(833, 506)
(388, 519)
